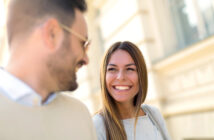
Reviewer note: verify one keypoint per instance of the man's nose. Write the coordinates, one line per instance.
(86, 59)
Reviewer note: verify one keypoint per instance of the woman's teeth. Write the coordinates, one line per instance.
(122, 87)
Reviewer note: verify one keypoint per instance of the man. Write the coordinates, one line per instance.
(48, 42)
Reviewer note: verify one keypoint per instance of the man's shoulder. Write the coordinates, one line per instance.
(79, 116)
(70, 102)
(68, 98)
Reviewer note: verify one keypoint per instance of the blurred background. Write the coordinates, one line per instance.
(177, 40)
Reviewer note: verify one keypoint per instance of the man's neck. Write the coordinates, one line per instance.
(31, 78)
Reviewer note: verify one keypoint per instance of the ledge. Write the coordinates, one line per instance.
(202, 48)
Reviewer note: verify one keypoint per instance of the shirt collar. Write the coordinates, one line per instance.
(20, 92)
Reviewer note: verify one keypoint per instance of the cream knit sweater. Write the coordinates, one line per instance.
(65, 118)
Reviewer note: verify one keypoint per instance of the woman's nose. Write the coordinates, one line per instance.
(120, 75)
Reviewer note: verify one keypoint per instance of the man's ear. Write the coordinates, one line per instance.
(52, 34)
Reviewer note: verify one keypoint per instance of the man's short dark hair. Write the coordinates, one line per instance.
(23, 15)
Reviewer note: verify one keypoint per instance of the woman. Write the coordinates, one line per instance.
(124, 88)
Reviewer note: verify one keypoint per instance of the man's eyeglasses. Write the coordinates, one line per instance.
(86, 41)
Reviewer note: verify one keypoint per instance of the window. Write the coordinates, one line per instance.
(193, 20)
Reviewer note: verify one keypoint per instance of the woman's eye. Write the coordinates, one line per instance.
(111, 69)
(130, 69)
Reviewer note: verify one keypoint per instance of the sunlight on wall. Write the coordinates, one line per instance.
(132, 32)
(120, 11)
(2, 13)
(3, 44)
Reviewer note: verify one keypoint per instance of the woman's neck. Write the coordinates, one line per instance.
(127, 111)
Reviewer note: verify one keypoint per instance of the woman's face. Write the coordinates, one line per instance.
(122, 77)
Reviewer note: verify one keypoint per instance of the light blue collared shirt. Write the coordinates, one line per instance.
(20, 92)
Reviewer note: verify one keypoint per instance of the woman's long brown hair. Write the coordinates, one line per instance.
(114, 127)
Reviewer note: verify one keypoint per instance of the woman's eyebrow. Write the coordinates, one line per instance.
(112, 65)
(131, 64)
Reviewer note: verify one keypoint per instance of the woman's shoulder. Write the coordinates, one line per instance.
(100, 126)
(150, 108)
(98, 119)
(154, 111)
(156, 115)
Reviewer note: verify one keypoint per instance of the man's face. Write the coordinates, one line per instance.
(64, 64)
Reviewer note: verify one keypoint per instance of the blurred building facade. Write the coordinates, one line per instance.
(176, 39)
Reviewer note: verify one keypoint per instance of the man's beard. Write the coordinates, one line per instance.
(64, 76)
(70, 84)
